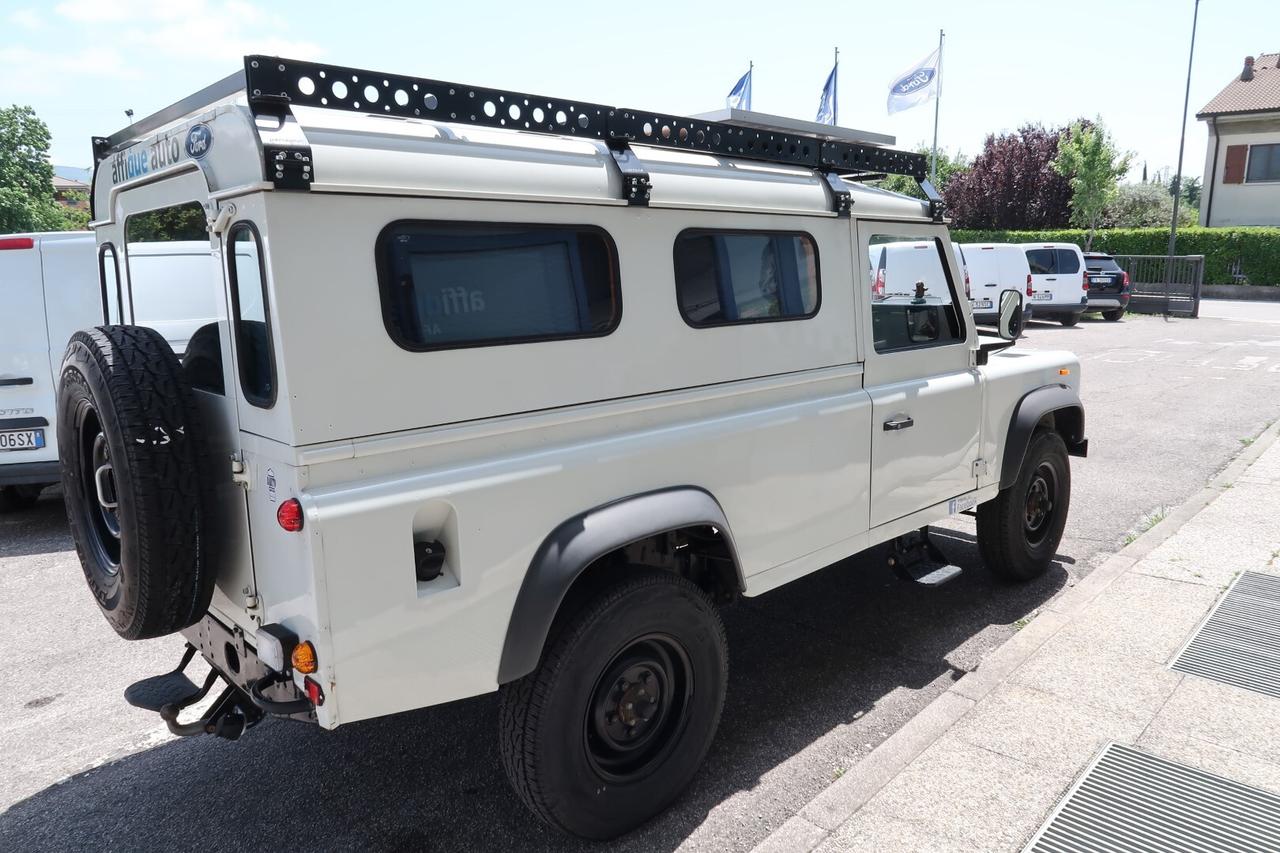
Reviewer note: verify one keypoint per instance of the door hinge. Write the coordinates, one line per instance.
(239, 472)
(222, 220)
(980, 468)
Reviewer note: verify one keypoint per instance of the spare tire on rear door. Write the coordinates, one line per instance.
(136, 477)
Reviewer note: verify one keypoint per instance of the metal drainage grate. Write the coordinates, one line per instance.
(1239, 644)
(1128, 800)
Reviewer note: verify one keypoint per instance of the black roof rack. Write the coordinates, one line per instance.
(273, 85)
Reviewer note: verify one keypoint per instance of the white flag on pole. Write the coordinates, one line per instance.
(917, 85)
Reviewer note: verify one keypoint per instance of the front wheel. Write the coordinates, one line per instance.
(1019, 530)
(616, 719)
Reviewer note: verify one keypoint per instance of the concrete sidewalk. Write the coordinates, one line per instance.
(982, 766)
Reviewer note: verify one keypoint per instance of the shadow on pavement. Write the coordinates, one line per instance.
(816, 655)
(39, 530)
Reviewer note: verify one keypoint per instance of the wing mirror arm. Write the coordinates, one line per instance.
(1009, 326)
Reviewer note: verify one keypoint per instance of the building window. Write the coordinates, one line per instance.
(1264, 163)
(728, 277)
(448, 285)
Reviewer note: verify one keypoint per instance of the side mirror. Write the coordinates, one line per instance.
(1010, 324)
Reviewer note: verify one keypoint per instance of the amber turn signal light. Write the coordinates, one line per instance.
(1062, 371)
(304, 658)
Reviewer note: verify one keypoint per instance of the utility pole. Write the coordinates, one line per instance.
(1177, 176)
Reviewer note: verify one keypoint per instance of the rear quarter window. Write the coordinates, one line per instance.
(450, 285)
(1068, 261)
(725, 278)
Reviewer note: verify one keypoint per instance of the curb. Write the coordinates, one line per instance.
(840, 800)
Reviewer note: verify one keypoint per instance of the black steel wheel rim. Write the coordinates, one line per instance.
(1041, 503)
(638, 708)
(98, 493)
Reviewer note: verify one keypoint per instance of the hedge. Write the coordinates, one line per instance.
(1231, 255)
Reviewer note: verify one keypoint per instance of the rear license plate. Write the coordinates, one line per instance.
(1100, 279)
(24, 439)
(981, 305)
(1042, 296)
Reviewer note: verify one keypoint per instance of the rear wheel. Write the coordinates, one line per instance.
(1112, 316)
(1019, 530)
(619, 714)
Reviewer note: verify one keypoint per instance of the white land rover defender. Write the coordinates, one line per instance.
(507, 392)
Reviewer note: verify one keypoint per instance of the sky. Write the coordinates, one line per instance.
(82, 63)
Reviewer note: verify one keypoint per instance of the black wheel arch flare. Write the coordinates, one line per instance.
(1061, 401)
(583, 539)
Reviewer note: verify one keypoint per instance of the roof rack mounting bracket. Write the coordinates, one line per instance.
(635, 180)
(841, 198)
(936, 204)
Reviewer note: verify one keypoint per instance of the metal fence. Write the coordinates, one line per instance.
(1161, 285)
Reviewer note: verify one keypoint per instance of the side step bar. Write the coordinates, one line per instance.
(914, 557)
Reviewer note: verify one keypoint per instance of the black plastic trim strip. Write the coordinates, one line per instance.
(17, 380)
(23, 423)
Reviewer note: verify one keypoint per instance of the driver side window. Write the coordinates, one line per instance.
(913, 301)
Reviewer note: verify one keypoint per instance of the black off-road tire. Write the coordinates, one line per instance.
(1011, 547)
(124, 409)
(554, 726)
(1069, 319)
(18, 498)
(1112, 316)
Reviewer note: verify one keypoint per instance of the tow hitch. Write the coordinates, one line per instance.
(914, 557)
(234, 711)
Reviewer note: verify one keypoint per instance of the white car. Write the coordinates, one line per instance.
(48, 289)
(512, 393)
(1059, 281)
(993, 269)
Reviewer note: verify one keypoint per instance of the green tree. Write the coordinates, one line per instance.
(948, 166)
(26, 177)
(1091, 162)
(1143, 206)
(1190, 191)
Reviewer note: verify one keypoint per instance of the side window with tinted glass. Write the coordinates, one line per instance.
(448, 285)
(249, 316)
(1042, 261)
(731, 277)
(1068, 262)
(913, 301)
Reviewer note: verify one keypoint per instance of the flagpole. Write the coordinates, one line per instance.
(835, 90)
(937, 103)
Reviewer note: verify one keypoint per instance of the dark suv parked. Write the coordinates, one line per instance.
(1108, 285)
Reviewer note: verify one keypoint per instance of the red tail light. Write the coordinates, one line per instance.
(314, 692)
(289, 515)
(1084, 280)
(1125, 283)
(1029, 290)
(16, 243)
(877, 289)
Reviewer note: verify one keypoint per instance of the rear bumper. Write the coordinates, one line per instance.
(29, 473)
(227, 651)
(1054, 312)
(1108, 302)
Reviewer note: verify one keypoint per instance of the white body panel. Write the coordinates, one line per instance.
(1058, 288)
(47, 292)
(993, 269)
(487, 449)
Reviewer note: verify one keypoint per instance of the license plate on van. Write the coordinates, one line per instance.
(1042, 296)
(982, 305)
(23, 439)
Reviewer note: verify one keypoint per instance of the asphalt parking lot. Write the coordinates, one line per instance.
(822, 670)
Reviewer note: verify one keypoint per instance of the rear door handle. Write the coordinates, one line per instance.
(899, 422)
(1051, 278)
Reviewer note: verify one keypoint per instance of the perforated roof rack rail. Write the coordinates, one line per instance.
(272, 82)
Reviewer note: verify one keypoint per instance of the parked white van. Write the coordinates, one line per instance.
(48, 289)
(506, 392)
(1059, 282)
(993, 269)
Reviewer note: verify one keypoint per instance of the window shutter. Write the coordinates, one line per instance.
(1233, 169)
